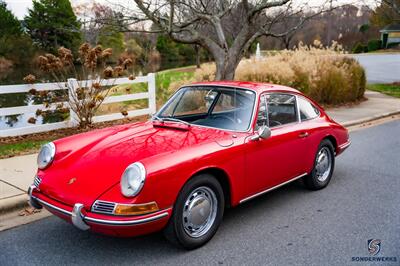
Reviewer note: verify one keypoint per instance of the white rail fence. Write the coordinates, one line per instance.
(72, 120)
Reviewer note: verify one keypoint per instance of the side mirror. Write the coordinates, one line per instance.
(263, 132)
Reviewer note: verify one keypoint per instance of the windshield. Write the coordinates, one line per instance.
(218, 107)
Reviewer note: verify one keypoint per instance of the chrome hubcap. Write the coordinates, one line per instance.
(323, 164)
(199, 211)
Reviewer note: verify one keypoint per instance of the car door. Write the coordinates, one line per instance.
(272, 161)
(311, 127)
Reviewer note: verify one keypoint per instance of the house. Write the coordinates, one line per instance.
(390, 34)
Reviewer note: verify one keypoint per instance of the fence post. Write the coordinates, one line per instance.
(151, 81)
(72, 86)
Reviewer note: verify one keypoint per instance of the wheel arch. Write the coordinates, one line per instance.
(223, 178)
(333, 140)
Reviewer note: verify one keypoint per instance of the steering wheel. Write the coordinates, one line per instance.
(225, 117)
(274, 123)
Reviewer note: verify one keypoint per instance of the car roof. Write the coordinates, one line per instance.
(258, 87)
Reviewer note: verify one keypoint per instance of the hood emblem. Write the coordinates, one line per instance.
(71, 181)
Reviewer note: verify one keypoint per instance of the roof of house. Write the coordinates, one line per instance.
(391, 28)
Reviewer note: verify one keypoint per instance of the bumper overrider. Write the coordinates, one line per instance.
(108, 224)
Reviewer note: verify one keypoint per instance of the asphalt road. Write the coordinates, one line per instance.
(380, 68)
(289, 226)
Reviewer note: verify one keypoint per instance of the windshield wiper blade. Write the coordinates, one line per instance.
(175, 120)
(163, 119)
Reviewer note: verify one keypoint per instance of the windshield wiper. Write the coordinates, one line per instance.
(163, 119)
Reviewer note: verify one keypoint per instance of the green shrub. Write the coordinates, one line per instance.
(374, 45)
(393, 45)
(359, 48)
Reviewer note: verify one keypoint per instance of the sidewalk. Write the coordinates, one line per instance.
(16, 174)
(378, 105)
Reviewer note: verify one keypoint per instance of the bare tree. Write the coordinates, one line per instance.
(225, 28)
(393, 4)
(289, 21)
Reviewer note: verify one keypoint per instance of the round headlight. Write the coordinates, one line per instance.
(132, 179)
(46, 155)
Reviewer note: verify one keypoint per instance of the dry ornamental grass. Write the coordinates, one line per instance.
(325, 74)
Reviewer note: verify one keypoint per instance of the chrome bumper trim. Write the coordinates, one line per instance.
(272, 188)
(131, 222)
(51, 206)
(345, 145)
(78, 215)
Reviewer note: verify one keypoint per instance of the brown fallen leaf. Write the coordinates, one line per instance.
(28, 211)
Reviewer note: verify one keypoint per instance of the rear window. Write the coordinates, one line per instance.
(307, 109)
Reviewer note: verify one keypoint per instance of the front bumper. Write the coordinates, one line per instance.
(106, 224)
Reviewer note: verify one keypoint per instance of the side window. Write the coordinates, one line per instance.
(262, 117)
(281, 109)
(307, 110)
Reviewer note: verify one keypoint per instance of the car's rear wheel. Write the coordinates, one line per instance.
(198, 212)
(324, 164)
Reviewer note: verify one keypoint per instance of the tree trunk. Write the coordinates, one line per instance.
(197, 51)
(287, 43)
(226, 67)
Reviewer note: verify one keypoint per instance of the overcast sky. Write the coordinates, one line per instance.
(20, 7)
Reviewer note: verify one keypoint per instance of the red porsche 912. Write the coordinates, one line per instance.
(211, 146)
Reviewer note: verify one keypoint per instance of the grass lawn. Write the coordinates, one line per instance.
(163, 80)
(24, 147)
(392, 89)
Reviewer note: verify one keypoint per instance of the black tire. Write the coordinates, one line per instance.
(175, 231)
(311, 181)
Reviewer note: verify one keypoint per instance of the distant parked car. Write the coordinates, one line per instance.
(211, 146)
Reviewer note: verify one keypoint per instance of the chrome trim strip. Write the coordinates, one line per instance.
(163, 214)
(298, 109)
(51, 206)
(122, 223)
(345, 145)
(272, 188)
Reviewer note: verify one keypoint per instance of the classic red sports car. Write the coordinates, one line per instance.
(211, 146)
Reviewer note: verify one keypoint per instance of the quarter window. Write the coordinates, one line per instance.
(262, 116)
(281, 109)
(307, 110)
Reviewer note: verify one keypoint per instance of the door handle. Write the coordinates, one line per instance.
(304, 135)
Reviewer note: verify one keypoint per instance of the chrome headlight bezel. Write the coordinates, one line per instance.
(133, 179)
(46, 155)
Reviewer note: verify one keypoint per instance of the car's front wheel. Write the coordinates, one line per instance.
(324, 163)
(198, 212)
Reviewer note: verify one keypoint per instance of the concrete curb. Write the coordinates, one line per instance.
(369, 119)
(21, 201)
(11, 204)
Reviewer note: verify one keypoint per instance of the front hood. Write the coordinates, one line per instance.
(87, 165)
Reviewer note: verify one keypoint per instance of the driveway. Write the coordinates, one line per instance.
(380, 68)
(289, 226)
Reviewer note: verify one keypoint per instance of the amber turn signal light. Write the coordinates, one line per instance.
(135, 209)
